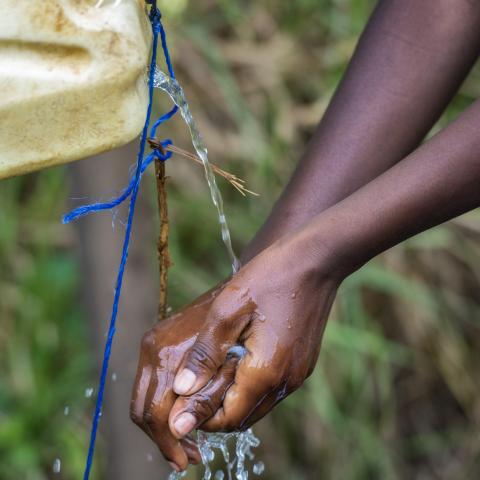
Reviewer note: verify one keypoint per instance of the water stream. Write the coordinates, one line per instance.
(235, 465)
(175, 91)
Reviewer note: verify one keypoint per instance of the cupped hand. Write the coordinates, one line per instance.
(276, 306)
(162, 349)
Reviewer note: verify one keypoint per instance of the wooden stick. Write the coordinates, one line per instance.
(162, 243)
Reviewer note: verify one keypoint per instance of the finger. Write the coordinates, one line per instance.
(266, 406)
(190, 412)
(191, 449)
(251, 388)
(138, 397)
(227, 318)
(158, 401)
(140, 387)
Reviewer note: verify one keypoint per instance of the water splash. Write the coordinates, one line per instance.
(169, 85)
(236, 468)
(258, 468)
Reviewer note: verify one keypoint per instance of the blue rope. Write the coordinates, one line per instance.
(130, 191)
(114, 202)
(162, 119)
(168, 60)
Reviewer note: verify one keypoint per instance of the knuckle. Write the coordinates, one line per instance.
(202, 356)
(149, 417)
(204, 407)
(135, 417)
(148, 340)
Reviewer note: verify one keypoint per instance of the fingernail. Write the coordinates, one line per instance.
(184, 381)
(184, 424)
(174, 466)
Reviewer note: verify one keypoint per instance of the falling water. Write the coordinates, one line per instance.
(235, 468)
(175, 91)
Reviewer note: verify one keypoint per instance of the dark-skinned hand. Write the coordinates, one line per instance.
(163, 348)
(276, 307)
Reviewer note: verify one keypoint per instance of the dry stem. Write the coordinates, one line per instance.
(237, 183)
(162, 243)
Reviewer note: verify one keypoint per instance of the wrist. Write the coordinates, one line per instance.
(324, 248)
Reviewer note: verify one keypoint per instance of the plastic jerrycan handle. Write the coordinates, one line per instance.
(72, 79)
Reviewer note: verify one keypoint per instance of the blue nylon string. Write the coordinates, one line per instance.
(114, 202)
(130, 191)
(168, 60)
(162, 119)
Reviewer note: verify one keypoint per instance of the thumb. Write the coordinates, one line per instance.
(228, 317)
(191, 411)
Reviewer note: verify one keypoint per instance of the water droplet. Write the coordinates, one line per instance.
(149, 457)
(88, 392)
(258, 468)
(177, 475)
(57, 465)
(219, 475)
(294, 294)
(66, 410)
(236, 351)
(114, 377)
(209, 455)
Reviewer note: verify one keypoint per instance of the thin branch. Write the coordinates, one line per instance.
(162, 243)
(237, 183)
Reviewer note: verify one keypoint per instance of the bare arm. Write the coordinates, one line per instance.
(437, 182)
(409, 62)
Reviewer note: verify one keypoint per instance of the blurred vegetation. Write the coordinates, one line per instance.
(395, 392)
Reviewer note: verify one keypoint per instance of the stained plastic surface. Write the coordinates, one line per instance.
(72, 79)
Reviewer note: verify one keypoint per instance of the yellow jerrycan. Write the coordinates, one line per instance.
(72, 79)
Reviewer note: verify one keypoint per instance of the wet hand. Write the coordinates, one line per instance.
(276, 307)
(162, 350)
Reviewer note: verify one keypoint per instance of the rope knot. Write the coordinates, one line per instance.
(155, 17)
(159, 148)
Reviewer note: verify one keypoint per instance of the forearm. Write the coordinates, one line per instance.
(408, 64)
(437, 182)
